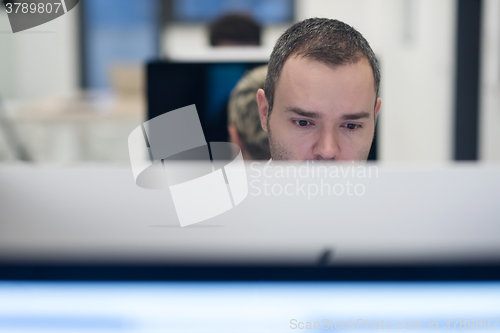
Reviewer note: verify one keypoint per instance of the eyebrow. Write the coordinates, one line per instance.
(316, 115)
(303, 113)
(356, 116)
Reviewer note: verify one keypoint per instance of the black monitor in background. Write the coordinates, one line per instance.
(173, 85)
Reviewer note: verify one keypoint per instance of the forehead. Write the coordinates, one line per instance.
(315, 86)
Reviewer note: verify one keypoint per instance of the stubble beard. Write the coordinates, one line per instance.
(363, 156)
(278, 151)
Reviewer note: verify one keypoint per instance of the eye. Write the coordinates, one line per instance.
(352, 127)
(302, 122)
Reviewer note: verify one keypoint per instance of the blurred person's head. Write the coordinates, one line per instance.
(243, 118)
(235, 30)
(320, 97)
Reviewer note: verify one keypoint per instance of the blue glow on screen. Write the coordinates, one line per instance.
(263, 11)
(236, 306)
(27, 321)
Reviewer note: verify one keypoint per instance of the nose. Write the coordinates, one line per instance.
(326, 147)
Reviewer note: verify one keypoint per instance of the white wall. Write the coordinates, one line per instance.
(39, 62)
(188, 41)
(489, 114)
(414, 41)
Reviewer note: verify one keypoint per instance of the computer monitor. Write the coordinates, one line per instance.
(84, 249)
(249, 306)
(173, 85)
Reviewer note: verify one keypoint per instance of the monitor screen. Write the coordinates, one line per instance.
(247, 306)
(173, 85)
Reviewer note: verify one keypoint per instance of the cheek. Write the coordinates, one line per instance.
(354, 145)
(284, 133)
(279, 127)
(295, 137)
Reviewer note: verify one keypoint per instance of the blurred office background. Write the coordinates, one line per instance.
(73, 89)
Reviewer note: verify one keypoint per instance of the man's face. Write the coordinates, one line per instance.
(320, 112)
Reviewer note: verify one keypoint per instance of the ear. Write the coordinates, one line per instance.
(263, 106)
(377, 108)
(234, 137)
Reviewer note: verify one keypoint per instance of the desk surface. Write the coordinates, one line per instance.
(82, 106)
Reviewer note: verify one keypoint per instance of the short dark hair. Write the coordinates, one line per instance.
(325, 40)
(234, 27)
